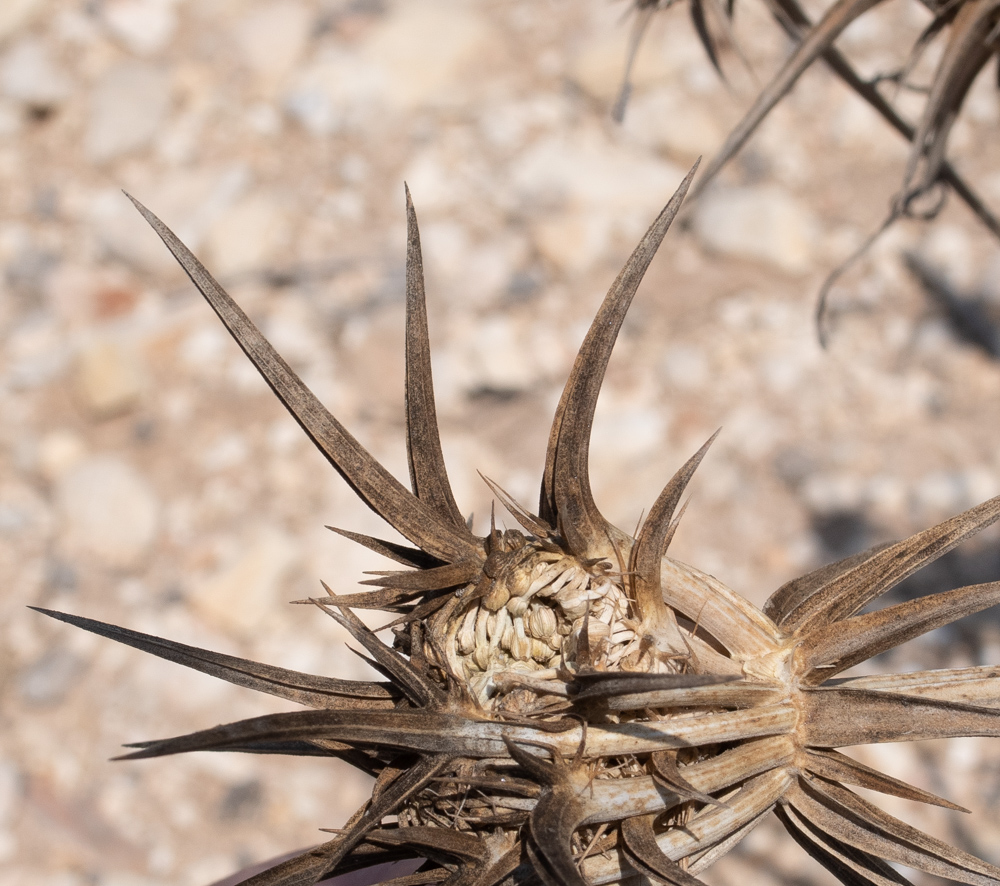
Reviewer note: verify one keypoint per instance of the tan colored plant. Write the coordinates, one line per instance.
(565, 704)
(970, 30)
(972, 41)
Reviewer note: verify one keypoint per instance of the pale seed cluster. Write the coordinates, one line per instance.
(531, 616)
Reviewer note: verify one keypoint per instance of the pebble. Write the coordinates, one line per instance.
(109, 378)
(248, 236)
(272, 39)
(586, 189)
(108, 511)
(15, 14)
(764, 223)
(30, 76)
(245, 592)
(127, 108)
(423, 50)
(58, 452)
(419, 56)
(144, 26)
(680, 124)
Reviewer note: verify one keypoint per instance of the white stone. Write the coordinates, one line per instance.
(422, 49)
(585, 167)
(127, 108)
(109, 511)
(144, 26)
(251, 234)
(685, 366)
(244, 593)
(228, 451)
(763, 223)
(30, 76)
(109, 378)
(671, 120)
(334, 83)
(58, 452)
(15, 14)
(272, 39)
(573, 242)
(589, 189)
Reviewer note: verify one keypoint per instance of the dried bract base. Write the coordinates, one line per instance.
(565, 704)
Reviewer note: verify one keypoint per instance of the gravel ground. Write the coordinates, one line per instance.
(148, 478)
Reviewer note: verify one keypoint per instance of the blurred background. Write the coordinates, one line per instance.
(148, 477)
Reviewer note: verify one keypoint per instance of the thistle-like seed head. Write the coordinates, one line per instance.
(565, 703)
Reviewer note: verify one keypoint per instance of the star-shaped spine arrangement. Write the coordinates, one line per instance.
(565, 704)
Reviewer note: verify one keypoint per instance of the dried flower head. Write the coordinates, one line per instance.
(565, 704)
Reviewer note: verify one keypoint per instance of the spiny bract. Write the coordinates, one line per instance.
(564, 704)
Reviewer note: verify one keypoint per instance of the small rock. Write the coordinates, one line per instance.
(763, 223)
(109, 379)
(670, 120)
(28, 75)
(422, 48)
(243, 594)
(109, 511)
(59, 452)
(586, 168)
(144, 26)
(127, 107)
(273, 38)
(573, 242)
(250, 234)
(686, 367)
(593, 190)
(47, 680)
(228, 451)
(499, 355)
(323, 92)
(15, 14)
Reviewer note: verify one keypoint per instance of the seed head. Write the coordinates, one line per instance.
(565, 704)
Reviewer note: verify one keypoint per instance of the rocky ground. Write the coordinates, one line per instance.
(148, 478)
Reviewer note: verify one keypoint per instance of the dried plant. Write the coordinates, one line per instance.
(971, 31)
(565, 704)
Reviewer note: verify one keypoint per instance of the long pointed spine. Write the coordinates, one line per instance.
(566, 501)
(428, 474)
(651, 547)
(382, 492)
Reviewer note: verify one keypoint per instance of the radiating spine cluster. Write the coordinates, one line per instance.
(564, 703)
